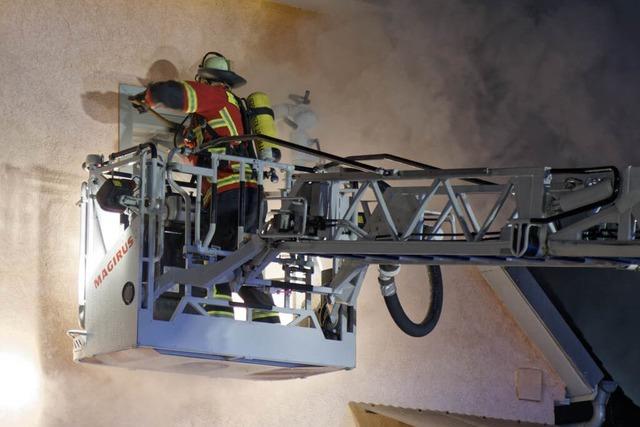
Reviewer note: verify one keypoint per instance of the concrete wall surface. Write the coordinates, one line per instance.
(451, 83)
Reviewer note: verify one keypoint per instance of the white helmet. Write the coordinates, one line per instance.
(215, 67)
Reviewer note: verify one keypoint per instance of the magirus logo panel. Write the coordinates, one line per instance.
(113, 262)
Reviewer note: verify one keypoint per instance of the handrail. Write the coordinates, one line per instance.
(136, 149)
(291, 146)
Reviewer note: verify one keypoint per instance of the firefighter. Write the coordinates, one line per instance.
(215, 111)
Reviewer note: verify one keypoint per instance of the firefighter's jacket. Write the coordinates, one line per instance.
(214, 109)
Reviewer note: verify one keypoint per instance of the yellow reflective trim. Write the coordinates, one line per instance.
(224, 188)
(233, 178)
(232, 99)
(192, 98)
(227, 117)
(225, 120)
(199, 137)
(217, 150)
(221, 296)
(188, 95)
(264, 314)
(217, 123)
(253, 183)
(233, 125)
(219, 313)
(230, 178)
(247, 168)
(236, 165)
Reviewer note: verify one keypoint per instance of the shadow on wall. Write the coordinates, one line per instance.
(268, 45)
(103, 106)
(42, 221)
(55, 189)
(41, 228)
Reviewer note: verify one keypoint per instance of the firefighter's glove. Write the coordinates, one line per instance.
(139, 103)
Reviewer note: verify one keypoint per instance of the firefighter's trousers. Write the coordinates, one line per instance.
(226, 238)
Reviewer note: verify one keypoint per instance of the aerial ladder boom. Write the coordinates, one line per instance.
(320, 228)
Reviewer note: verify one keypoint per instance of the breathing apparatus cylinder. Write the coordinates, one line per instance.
(263, 122)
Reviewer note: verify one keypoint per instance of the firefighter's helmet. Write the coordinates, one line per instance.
(214, 67)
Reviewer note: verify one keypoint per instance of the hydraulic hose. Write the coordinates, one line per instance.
(386, 279)
(185, 196)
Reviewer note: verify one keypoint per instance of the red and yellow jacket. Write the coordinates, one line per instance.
(216, 105)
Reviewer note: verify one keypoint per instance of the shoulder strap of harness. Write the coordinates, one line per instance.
(246, 124)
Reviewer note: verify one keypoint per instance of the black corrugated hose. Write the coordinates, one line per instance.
(388, 288)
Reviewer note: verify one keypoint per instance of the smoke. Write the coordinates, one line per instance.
(486, 83)
(541, 82)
